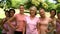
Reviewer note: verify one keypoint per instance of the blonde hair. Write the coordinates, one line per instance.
(33, 7)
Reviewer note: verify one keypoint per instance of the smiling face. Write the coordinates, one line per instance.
(12, 13)
(7, 14)
(33, 11)
(52, 13)
(42, 12)
(22, 9)
(58, 15)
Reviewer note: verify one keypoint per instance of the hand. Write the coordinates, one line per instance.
(47, 31)
(17, 27)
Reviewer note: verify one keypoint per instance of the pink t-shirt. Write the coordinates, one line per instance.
(31, 25)
(20, 21)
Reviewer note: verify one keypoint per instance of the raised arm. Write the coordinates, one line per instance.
(11, 19)
(38, 28)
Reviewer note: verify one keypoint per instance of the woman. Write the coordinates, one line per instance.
(11, 31)
(20, 20)
(58, 23)
(43, 22)
(52, 16)
(32, 21)
(4, 25)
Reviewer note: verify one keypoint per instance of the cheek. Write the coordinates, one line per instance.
(21, 9)
(53, 13)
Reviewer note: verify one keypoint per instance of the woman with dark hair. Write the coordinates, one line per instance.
(52, 16)
(11, 31)
(4, 25)
(58, 23)
(20, 20)
(12, 12)
(31, 21)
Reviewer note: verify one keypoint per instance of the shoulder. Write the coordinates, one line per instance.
(37, 18)
(16, 14)
(50, 20)
(27, 16)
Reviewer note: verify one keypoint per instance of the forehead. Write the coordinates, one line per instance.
(21, 6)
(52, 11)
(42, 10)
(6, 13)
(32, 8)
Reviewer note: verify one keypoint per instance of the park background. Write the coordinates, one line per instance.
(47, 4)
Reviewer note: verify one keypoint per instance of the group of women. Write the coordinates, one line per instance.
(24, 24)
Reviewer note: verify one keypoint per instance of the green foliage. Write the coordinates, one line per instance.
(8, 3)
(28, 3)
(58, 7)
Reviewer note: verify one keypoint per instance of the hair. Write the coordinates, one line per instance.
(41, 8)
(11, 10)
(6, 11)
(53, 10)
(33, 7)
(21, 5)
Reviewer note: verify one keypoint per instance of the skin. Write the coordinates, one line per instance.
(13, 18)
(58, 20)
(43, 19)
(52, 16)
(12, 13)
(32, 12)
(52, 13)
(21, 9)
(4, 20)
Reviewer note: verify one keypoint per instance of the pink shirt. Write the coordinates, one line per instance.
(19, 19)
(31, 25)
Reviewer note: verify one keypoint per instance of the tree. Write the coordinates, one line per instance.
(58, 7)
(58, 1)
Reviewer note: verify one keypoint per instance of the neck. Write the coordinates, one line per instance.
(32, 16)
(22, 13)
(43, 17)
(52, 16)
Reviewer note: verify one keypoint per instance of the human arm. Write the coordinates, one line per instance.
(38, 28)
(51, 21)
(24, 29)
(9, 22)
